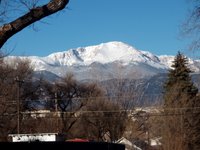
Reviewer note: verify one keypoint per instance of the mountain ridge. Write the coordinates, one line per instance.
(106, 57)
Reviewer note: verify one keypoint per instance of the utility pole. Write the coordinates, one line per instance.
(56, 109)
(19, 82)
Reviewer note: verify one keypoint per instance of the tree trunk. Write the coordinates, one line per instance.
(35, 14)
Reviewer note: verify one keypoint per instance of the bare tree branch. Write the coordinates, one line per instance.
(34, 15)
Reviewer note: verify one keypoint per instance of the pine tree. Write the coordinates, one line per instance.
(180, 100)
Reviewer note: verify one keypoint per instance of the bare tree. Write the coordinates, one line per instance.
(103, 120)
(34, 14)
(191, 27)
(71, 96)
(11, 94)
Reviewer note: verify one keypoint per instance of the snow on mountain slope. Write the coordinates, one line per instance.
(104, 58)
(103, 53)
(167, 60)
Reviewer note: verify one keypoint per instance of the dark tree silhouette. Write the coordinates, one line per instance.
(182, 123)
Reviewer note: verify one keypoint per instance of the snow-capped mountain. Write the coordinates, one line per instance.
(103, 53)
(104, 61)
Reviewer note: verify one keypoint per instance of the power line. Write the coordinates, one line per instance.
(112, 113)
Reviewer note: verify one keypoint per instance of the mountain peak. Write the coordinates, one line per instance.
(116, 43)
(103, 53)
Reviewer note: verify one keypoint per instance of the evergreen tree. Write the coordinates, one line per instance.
(180, 101)
(179, 83)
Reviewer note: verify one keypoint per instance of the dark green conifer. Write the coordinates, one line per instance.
(180, 102)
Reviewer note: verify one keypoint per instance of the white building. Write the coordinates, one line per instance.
(128, 144)
(43, 137)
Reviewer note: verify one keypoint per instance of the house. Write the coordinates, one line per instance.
(128, 144)
(140, 144)
(43, 137)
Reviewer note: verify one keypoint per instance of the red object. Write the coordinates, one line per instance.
(78, 140)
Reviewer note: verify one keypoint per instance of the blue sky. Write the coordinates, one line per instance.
(151, 25)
